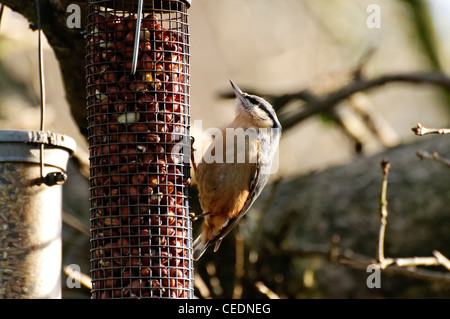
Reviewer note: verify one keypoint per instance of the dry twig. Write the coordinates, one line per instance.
(442, 259)
(406, 267)
(74, 274)
(434, 157)
(394, 266)
(438, 260)
(422, 130)
(201, 285)
(266, 290)
(321, 104)
(385, 165)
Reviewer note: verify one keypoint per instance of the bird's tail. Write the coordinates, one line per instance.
(199, 247)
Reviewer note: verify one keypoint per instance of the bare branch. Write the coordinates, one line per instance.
(402, 266)
(442, 259)
(75, 223)
(316, 105)
(406, 267)
(434, 157)
(385, 165)
(412, 261)
(361, 104)
(74, 274)
(438, 260)
(422, 130)
(266, 290)
(201, 285)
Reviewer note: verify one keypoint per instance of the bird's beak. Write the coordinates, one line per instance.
(239, 94)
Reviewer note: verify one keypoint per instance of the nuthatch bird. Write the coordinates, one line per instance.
(230, 184)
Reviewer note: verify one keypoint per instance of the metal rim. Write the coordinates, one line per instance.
(38, 137)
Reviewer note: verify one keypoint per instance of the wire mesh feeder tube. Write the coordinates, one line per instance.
(30, 213)
(141, 233)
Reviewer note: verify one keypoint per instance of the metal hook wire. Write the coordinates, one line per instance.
(41, 85)
(137, 36)
(52, 178)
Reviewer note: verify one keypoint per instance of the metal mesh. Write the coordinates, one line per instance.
(141, 235)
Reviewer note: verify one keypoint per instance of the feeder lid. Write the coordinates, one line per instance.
(39, 137)
(23, 146)
(132, 3)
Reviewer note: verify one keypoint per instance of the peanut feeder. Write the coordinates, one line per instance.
(138, 121)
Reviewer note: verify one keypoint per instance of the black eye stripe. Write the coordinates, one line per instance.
(253, 100)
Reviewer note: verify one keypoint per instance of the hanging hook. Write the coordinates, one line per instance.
(137, 36)
(52, 179)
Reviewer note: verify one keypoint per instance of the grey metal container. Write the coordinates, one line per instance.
(30, 213)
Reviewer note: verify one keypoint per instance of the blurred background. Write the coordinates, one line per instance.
(272, 48)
